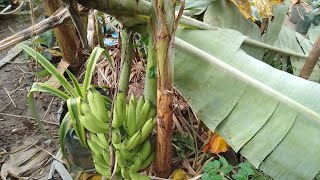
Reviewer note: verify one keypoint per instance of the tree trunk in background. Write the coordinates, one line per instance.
(66, 36)
(165, 13)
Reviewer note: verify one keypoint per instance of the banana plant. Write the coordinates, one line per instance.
(72, 96)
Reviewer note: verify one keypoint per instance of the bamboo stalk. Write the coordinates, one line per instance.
(311, 60)
(165, 13)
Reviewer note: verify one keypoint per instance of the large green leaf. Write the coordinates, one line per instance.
(269, 116)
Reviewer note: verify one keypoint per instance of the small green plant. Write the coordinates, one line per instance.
(221, 169)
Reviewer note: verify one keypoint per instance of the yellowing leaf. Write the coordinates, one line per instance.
(179, 174)
(264, 7)
(244, 7)
(216, 145)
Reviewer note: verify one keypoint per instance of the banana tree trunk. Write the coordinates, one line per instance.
(66, 36)
(165, 13)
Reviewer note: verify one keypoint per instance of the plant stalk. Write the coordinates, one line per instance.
(164, 37)
(150, 87)
(126, 59)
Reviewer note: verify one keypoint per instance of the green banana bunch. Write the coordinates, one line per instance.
(97, 105)
(132, 125)
(119, 110)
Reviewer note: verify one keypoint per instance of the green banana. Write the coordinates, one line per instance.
(125, 173)
(129, 155)
(129, 144)
(94, 138)
(120, 159)
(143, 114)
(90, 122)
(116, 136)
(148, 161)
(139, 107)
(95, 148)
(106, 156)
(137, 163)
(147, 128)
(91, 102)
(152, 113)
(103, 139)
(117, 146)
(99, 159)
(119, 110)
(124, 123)
(145, 150)
(136, 176)
(85, 107)
(131, 116)
(100, 106)
(105, 171)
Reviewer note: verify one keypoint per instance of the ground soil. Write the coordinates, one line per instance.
(16, 78)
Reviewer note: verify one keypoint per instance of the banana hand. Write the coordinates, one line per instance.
(90, 122)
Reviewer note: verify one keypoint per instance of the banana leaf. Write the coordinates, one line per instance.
(271, 117)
